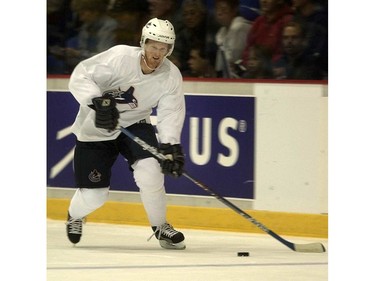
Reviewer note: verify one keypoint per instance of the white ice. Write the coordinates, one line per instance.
(109, 252)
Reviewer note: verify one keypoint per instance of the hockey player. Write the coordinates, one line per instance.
(119, 87)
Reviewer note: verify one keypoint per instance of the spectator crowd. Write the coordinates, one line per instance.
(252, 39)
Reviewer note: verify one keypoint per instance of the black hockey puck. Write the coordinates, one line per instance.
(243, 254)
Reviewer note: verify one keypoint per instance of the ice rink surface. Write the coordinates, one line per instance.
(110, 252)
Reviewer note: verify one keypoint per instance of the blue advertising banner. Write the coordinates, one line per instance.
(218, 140)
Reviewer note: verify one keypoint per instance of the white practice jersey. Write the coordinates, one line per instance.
(118, 71)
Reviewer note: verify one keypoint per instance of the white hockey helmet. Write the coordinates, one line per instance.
(158, 30)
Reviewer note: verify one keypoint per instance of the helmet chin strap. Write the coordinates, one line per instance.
(144, 59)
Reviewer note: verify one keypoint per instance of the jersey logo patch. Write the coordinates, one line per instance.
(95, 176)
(123, 97)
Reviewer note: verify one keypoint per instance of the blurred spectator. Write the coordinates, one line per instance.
(250, 9)
(231, 37)
(55, 21)
(198, 31)
(296, 62)
(96, 34)
(314, 16)
(312, 11)
(199, 65)
(208, 44)
(166, 10)
(267, 28)
(131, 17)
(62, 23)
(257, 66)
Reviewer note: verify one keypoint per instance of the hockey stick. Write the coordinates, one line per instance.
(310, 247)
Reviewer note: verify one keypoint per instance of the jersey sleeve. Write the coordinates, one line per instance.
(90, 77)
(171, 111)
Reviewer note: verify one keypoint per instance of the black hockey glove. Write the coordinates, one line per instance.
(174, 165)
(106, 116)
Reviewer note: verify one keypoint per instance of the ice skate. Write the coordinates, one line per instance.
(168, 237)
(74, 229)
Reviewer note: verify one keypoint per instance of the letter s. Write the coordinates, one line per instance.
(228, 141)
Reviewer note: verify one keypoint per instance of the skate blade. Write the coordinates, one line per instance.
(171, 246)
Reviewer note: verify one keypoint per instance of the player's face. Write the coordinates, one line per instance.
(155, 52)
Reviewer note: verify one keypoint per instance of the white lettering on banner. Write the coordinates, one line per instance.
(228, 141)
(200, 147)
(205, 155)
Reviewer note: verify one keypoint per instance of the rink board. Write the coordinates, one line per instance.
(217, 137)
